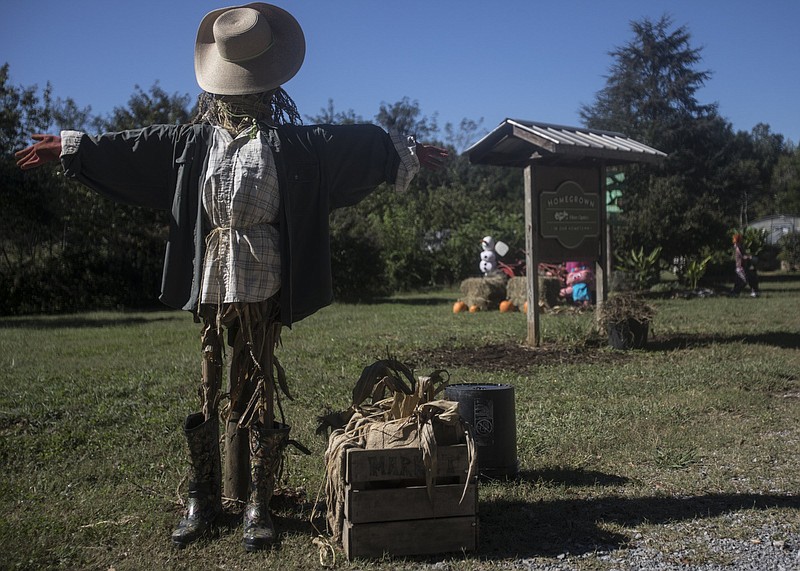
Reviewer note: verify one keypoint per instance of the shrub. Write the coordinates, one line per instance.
(642, 269)
(754, 240)
(695, 270)
(790, 251)
(357, 263)
(767, 260)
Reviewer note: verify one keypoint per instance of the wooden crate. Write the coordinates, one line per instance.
(387, 508)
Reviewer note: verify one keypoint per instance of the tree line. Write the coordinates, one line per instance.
(715, 180)
(64, 248)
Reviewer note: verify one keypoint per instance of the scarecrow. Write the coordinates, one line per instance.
(248, 190)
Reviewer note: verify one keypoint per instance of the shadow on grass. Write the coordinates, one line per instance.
(415, 301)
(571, 477)
(510, 529)
(72, 321)
(288, 516)
(778, 278)
(781, 339)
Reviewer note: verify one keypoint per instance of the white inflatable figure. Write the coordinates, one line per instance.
(490, 251)
(488, 259)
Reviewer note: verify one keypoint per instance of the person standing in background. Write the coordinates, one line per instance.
(746, 274)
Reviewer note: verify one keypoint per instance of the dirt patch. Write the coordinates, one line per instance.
(513, 357)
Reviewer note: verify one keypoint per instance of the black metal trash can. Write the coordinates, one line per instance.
(489, 409)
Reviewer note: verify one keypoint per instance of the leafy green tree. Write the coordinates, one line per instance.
(406, 117)
(746, 175)
(30, 205)
(430, 235)
(329, 116)
(392, 241)
(790, 251)
(461, 137)
(357, 262)
(23, 111)
(785, 184)
(150, 108)
(768, 147)
(62, 246)
(357, 256)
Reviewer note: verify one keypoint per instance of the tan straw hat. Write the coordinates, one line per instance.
(247, 49)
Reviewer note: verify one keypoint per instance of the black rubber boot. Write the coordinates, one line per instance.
(205, 500)
(266, 454)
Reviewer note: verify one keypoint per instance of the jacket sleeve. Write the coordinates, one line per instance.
(322, 167)
(354, 159)
(135, 167)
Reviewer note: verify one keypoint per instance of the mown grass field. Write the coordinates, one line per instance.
(697, 434)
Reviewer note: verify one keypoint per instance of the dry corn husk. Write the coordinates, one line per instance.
(401, 412)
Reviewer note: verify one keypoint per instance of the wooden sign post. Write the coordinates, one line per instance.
(565, 193)
(564, 220)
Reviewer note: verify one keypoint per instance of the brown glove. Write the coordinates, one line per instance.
(430, 156)
(47, 150)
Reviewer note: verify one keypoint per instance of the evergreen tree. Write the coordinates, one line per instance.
(651, 95)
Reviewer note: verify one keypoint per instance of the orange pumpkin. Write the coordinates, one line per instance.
(506, 306)
(459, 306)
(473, 309)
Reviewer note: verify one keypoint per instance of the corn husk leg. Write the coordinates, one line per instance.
(252, 337)
(212, 364)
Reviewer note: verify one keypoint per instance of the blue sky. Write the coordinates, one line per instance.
(525, 59)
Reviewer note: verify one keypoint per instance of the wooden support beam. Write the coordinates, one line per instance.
(603, 265)
(532, 258)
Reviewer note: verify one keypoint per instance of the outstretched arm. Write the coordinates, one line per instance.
(46, 150)
(137, 166)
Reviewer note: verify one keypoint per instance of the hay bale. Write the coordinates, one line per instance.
(486, 293)
(548, 290)
(517, 290)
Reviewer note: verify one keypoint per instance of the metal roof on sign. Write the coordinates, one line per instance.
(518, 143)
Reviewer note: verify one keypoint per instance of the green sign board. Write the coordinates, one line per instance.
(569, 215)
(614, 184)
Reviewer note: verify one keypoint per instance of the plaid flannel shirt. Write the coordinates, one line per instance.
(241, 200)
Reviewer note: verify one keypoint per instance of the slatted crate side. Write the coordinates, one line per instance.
(397, 467)
(410, 503)
(421, 537)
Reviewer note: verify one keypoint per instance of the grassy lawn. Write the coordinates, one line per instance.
(695, 436)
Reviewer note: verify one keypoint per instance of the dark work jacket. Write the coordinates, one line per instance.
(320, 168)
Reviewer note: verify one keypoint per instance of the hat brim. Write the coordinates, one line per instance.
(268, 71)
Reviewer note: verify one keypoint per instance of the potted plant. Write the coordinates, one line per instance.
(626, 318)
